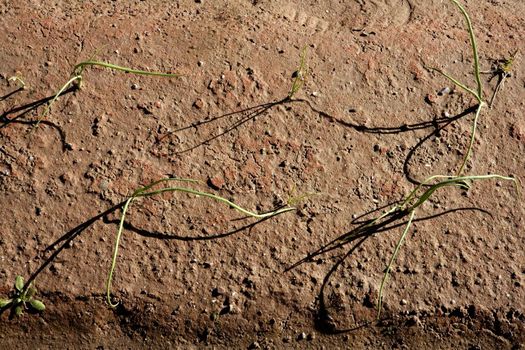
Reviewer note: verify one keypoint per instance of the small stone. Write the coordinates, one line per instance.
(104, 184)
(200, 63)
(135, 87)
(301, 336)
(228, 309)
(199, 103)
(403, 302)
(254, 345)
(444, 91)
(217, 182)
(430, 99)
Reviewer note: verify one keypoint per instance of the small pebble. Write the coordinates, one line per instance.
(254, 345)
(444, 91)
(228, 309)
(199, 103)
(104, 184)
(430, 99)
(403, 302)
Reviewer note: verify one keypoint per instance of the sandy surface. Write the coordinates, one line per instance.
(366, 127)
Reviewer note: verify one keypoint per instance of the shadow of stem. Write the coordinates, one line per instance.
(324, 322)
(65, 240)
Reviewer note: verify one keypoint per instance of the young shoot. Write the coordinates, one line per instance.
(503, 71)
(149, 191)
(17, 79)
(477, 93)
(22, 298)
(76, 79)
(299, 75)
(417, 198)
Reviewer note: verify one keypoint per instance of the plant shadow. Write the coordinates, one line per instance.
(9, 94)
(437, 124)
(170, 236)
(250, 113)
(323, 320)
(24, 109)
(247, 114)
(67, 238)
(28, 107)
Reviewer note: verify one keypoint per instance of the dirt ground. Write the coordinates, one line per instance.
(367, 125)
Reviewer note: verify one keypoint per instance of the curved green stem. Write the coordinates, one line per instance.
(144, 192)
(458, 83)
(79, 68)
(115, 253)
(474, 48)
(217, 198)
(450, 181)
(391, 262)
(57, 95)
(472, 138)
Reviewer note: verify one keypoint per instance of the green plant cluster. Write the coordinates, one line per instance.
(22, 299)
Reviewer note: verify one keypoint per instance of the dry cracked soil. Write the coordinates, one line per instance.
(369, 123)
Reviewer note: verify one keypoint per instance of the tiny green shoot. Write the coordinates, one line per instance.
(502, 71)
(299, 75)
(17, 78)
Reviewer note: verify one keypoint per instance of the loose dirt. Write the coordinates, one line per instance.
(367, 125)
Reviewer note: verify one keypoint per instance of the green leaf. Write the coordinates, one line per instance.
(5, 302)
(19, 283)
(37, 305)
(31, 291)
(19, 310)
